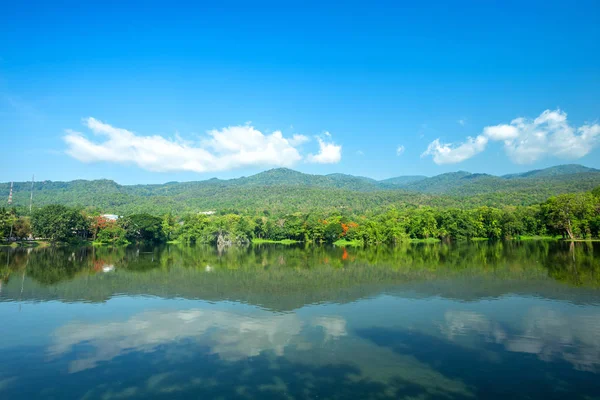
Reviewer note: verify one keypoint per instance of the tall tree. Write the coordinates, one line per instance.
(58, 223)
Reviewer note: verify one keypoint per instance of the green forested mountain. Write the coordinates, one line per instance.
(558, 170)
(466, 184)
(288, 190)
(402, 180)
(288, 177)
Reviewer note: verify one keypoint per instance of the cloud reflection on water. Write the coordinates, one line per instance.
(550, 334)
(255, 341)
(319, 342)
(230, 335)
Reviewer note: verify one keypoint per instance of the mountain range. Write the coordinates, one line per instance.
(284, 189)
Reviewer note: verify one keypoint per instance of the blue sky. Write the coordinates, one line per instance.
(153, 92)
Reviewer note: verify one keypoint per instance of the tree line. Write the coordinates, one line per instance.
(571, 216)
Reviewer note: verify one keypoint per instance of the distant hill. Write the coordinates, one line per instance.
(286, 190)
(289, 177)
(549, 181)
(558, 170)
(402, 180)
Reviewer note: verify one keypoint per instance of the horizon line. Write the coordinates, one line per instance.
(305, 173)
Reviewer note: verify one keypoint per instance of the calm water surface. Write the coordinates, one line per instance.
(480, 320)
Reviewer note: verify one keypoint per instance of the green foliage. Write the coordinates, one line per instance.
(265, 241)
(317, 209)
(571, 215)
(58, 223)
(143, 228)
(7, 221)
(580, 211)
(112, 234)
(285, 191)
(22, 228)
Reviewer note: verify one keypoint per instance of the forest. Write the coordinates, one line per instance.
(284, 191)
(569, 216)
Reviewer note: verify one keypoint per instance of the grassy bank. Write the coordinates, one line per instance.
(26, 243)
(284, 241)
(525, 237)
(344, 243)
(428, 240)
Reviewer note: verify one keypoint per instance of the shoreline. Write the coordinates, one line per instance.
(287, 242)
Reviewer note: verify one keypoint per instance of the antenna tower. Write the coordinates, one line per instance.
(31, 197)
(10, 194)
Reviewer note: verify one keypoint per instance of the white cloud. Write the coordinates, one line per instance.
(399, 150)
(461, 122)
(525, 140)
(223, 149)
(550, 134)
(297, 140)
(447, 153)
(329, 152)
(501, 132)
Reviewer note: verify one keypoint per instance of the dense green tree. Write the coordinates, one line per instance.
(142, 228)
(333, 231)
(7, 221)
(168, 225)
(112, 234)
(422, 224)
(489, 221)
(58, 223)
(571, 215)
(22, 228)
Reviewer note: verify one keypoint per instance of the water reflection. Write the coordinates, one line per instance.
(315, 343)
(231, 336)
(299, 275)
(547, 333)
(449, 322)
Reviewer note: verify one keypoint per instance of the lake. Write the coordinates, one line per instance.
(511, 320)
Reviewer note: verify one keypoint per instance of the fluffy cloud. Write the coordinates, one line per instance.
(525, 140)
(550, 134)
(222, 149)
(399, 150)
(297, 140)
(329, 152)
(446, 153)
(501, 132)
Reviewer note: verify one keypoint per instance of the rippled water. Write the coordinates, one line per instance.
(505, 320)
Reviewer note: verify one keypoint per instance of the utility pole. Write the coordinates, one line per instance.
(10, 194)
(12, 219)
(31, 197)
